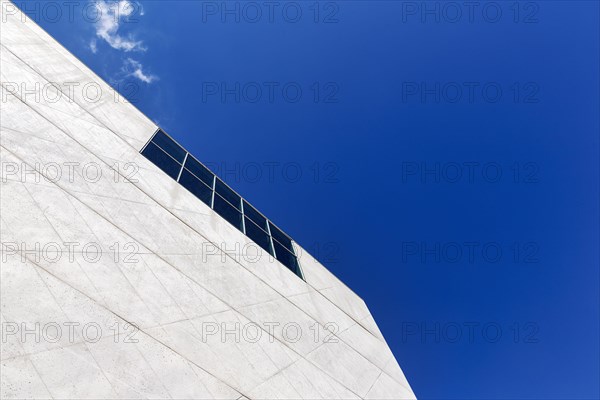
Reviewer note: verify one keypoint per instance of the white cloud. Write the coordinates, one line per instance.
(94, 46)
(110, 15)
(133, 68)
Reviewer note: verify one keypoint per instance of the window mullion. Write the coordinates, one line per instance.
(182, 166)
(212, 200)
(243, 218)
(271, 239)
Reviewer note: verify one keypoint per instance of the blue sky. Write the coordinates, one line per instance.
(441, 159)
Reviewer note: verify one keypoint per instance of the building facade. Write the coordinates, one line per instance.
(130, 271)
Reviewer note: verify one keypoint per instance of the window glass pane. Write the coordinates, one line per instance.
(169, 145)
(225, 210)
(254, 215)
(281, 237)
(286, 258)
(200, 171)
(162, 160)
(258, 235)
(228, 194)
(199, 189)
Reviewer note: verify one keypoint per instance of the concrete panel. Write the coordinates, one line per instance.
(387, 388)
(346, 366)
(20, 380)
(243, 364)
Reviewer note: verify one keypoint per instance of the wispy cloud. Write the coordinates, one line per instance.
(133, 68)
(110, 16)
(94, 46)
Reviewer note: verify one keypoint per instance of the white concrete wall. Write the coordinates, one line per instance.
(176, 288)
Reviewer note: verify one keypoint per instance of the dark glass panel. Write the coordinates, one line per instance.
(258, 235)
(194, 185)
(228, 194)
(227, 211)
(281, 237)
(162, 160)
(286, 258)
(170, 146)
(254, 215)
(200, 171)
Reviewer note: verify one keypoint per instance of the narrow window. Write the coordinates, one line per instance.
(200, 171)
(255, 216)
(228, 194)
(162, 160)
(169, 146)
(281, 237)
(286, 258)
(259, 236)
(196, 186)
(227, 211)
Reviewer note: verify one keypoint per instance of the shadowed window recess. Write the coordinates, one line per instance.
(180, 165)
